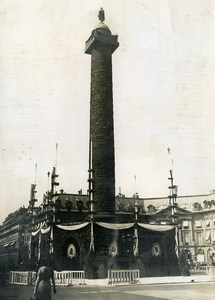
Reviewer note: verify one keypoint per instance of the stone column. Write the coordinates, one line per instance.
(100, 46)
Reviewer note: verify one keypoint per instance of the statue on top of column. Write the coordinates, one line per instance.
(101, 15)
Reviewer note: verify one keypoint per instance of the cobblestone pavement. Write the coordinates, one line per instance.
(185, 291)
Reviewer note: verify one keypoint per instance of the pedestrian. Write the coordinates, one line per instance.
(42, 288)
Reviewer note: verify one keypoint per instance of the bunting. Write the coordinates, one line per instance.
(73, 227)
(115, 226)
(46, 230)
(111, 226)
(156, 227)
(34, 233)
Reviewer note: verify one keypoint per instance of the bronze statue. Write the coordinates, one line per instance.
(101, 15)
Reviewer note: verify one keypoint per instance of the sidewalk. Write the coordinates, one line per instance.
(155, 280)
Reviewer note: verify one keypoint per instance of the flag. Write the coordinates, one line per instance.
(91, 237)
(54, 176)
(136, 242)
(29, 246)
(51, 250)
(39, 246)
(176, 242)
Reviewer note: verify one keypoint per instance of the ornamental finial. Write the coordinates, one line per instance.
(101, 15)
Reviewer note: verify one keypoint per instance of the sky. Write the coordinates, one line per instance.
(163, 93)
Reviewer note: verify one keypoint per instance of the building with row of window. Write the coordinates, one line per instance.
(195, 228)
(195, 221)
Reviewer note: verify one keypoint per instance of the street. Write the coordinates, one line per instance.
(188, 291)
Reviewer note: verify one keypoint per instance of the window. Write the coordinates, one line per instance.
(208, 236)
(213, 237)
(186, 237)
(185, 224)
(207, 223)
(199, 237)
(198, 224)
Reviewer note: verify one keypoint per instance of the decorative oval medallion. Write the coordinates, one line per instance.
(113, 249)
(71, 251)
(156, 250)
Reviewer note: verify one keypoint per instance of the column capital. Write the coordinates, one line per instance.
(101, 38)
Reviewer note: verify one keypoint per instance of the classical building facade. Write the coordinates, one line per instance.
(195, 223)
(61, 228)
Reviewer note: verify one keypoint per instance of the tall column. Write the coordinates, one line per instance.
(100, 46)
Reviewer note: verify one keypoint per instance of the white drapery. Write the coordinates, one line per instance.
(156, 227)
(34, 233)
(115, 226)
(42, 230)
(46, 230)
(73, 227)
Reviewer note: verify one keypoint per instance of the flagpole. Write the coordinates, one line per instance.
(136, 242)
(35, 180)
(56, 155)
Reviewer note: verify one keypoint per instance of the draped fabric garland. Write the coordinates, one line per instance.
(111, 226)
(73, 227)
(39, 231)
(115, 226)
(156, 227)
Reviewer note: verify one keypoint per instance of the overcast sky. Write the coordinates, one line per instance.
(163, 79)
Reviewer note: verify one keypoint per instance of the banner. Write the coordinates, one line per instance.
(91, 237)
(136, 243)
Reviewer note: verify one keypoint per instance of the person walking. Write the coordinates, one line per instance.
(42, 288)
